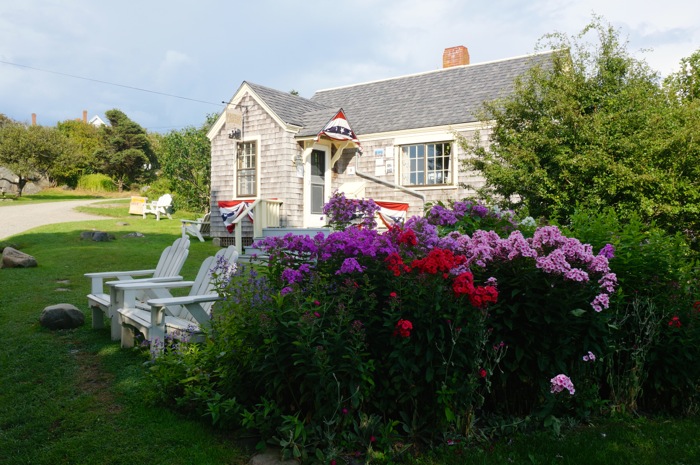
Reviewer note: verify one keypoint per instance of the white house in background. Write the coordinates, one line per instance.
(272, 162)
(96, 121)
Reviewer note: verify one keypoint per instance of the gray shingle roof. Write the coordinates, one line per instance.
(438, 98)
(290, 108)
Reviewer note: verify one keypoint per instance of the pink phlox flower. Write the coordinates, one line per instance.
(576, 274)
(547, 236)
(608, 282)
(561, 382)
(554, 263)
(601, 302)
(589, 357)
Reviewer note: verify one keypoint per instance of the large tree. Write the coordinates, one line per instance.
(79, 158)
(185, 159)
(595, 129)
(29, 151)
(126, 155)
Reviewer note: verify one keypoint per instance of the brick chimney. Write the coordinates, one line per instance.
(84, 116)
(33, 119)
(455, 56)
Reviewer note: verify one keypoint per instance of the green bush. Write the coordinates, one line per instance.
(97, 183)
(655, 339)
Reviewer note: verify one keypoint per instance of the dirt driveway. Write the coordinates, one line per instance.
(15, 219)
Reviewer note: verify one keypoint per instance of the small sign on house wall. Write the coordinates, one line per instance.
(379, 167)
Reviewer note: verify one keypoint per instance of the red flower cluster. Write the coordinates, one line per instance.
(403, 328)
(483, 295)
(396, 265)
(408, 237)
(439, 261)
(463, 284)
(696, 306)
(675, 322)
(479, 296)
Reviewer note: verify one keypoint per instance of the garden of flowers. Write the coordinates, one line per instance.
(463, 324)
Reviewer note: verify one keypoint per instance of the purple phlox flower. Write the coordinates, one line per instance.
(608, 251)
(285, 290)
(480, 210)
(561, 382)
(441, 216)
(493, 282)
(426, 233)
(350, 265)
(589, 357)
(291, 276)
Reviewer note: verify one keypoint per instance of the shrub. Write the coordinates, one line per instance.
(97, 183)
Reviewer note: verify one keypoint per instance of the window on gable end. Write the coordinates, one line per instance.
(246, 170)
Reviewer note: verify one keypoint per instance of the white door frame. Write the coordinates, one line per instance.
(313, 220)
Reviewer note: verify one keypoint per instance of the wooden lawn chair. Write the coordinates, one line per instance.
(172, 317)
(104, 301)
(159, 207)
(197, 228)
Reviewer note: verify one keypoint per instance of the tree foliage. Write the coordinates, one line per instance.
(126, 154)
(79, 158)
(595, 129)
(29, 151)
(185, 159)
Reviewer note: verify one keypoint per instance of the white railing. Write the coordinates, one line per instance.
(266, 214)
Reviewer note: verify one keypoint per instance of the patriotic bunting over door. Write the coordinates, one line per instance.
(338, 128)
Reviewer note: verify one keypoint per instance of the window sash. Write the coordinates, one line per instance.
(426, 164)
(246, 173)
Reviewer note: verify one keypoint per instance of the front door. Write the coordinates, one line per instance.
(318, 187)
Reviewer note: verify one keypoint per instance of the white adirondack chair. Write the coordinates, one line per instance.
(197, 228)
(167, 316)
(159, 207)
(103, 300)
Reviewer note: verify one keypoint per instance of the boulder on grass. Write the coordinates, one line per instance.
(61, 316)
(97, 236)
(13, 258)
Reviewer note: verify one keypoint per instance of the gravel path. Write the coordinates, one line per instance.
(15, 219)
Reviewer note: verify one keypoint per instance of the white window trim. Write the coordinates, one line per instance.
(258, 174)
(433, 138)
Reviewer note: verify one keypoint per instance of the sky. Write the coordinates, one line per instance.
(169, 64)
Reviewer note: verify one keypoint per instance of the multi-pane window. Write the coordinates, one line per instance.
(426, 164)
(246, 169)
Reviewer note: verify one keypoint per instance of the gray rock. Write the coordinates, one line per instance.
(13, 258)
(100, 236)
(61, 316)
(134, 234)
(97, 236)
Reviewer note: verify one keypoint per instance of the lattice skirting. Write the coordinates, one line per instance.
(231, 240)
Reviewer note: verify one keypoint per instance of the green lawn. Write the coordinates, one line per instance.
(75, 397)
